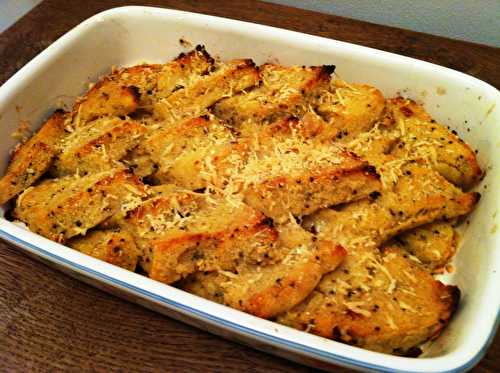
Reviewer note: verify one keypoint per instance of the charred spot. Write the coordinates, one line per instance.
(183, 42)
(407, 112)
(205, 54)
(371, 171)
(298, 219)
(177, 87)
(455, 299)
(197, 255)
(135, 92)
(268, 221)
(246, 63)
(59, 112)
(328, 69)
(413, 352)
(336, 335)
(139, 270)
(181, 55)
(374, 195)
(9, 214)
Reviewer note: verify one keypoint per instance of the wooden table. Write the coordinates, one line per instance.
(50, 322)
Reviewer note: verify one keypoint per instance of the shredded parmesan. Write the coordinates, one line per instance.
(356, 308)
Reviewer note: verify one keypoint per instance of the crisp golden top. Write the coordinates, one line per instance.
(280, 191)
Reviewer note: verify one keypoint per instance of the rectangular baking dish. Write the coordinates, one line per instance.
(130, 35)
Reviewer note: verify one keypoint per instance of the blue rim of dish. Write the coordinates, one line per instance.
(293, 346)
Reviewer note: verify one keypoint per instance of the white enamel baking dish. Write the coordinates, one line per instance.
(129, 35)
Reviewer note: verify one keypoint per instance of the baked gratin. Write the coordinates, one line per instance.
(283, 192)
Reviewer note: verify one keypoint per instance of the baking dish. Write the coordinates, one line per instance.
(129, 35)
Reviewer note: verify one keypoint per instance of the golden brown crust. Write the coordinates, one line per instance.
(178, 152)
(33, 158)
(113, 246)
(425, 138)
(301, 194)
(197, 96)
(106, 98)
(382, 302)
(97, 146)
(238, 161)
(268, 289)
(386, 302)
(350, 109)
(182, 232)
(419, 196)
(290, 286)
(63, 208)
(143, 77)
(176, 258)
(283, 90)
(433, 244)
(127, 89)
(181, 71)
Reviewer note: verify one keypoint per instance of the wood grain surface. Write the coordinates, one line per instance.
(51, 322)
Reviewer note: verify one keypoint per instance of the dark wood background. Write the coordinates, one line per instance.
(51, 322)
